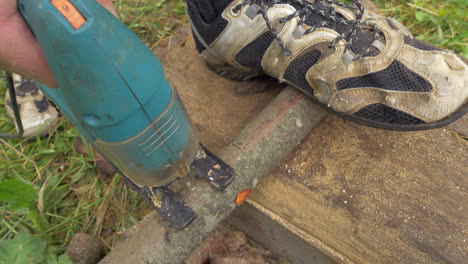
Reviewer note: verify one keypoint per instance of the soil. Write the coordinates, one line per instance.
(233, 102)
(84, 249)
(227, 245)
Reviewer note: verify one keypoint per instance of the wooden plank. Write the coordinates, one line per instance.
(277, 235)
(376, 196)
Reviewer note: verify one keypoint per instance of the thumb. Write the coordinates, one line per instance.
(107, 4)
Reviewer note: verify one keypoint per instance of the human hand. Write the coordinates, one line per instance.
(19, 51)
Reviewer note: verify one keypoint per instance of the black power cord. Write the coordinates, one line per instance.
(15, 108)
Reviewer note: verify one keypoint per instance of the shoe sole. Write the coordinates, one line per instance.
(230, 72)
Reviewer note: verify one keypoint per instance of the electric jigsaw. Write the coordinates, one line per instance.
(114, 91)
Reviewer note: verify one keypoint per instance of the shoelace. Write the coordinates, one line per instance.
(308, 9)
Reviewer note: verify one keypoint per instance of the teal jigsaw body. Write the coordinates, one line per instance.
(113, 89)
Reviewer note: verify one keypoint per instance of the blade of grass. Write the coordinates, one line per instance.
(24, 156)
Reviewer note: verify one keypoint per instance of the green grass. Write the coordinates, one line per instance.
(443, 23)
(152, 20)
(67, 193)
(69, 196)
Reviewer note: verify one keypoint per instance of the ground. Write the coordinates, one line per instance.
(67, 195)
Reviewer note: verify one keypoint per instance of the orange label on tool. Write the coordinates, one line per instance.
(69, 11)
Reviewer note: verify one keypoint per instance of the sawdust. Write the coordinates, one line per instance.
(156, 199)
(233, 102)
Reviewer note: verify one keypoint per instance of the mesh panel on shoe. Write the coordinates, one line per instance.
(296, 71)
(27, 88)
(384, 114)
(209, 31)
(251, 55)
(415, 43)
(198, 44)
(396, 77)
(42, 105)
(362, 41)
(390, 23)
(220, 5)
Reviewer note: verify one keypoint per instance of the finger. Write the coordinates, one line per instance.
(20, 52)
(108, 5)
(7, 10)
(26, 58)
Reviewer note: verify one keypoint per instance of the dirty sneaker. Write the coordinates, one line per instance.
(37, 115)
(357, 64)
